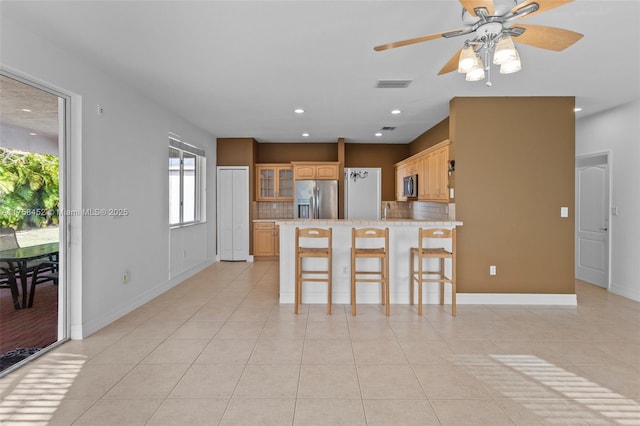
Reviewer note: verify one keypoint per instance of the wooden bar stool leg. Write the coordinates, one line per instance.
(329, 290)
(442, 277)
(353, 283)
(420, 286)
(297, 289)
(411, 277)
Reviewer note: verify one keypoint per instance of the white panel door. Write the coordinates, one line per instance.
(240, 215)
(233, 213)
(592, 221)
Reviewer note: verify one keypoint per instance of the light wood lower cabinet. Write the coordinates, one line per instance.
(266, 239)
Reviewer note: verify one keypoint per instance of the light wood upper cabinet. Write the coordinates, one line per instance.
(274, 182)
(307, 170)
(432, 168)
(401, 172)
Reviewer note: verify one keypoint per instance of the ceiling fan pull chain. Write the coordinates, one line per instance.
(488, 67)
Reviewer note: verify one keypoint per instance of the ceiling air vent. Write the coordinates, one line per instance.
(388, 128)
(393, 84)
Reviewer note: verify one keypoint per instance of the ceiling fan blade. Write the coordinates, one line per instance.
(471, 5)
(452, 65)
(543, 6)
(415, 40)
(549, 38)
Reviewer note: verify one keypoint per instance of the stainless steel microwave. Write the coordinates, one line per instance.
(410, 187)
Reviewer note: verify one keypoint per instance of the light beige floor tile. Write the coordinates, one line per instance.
(148, 381)
(370, 329)
(328, 381)
(328, 329)
(385, 412)
(208, 381)
(193, 329)
(220, 351)
(218, 312)
(389, 382)
(621, 379)
(259, 411)
(68, 410)
(277, 352)
(176, 351)
(94, 380)
(121, 412)
(475, 412)
(448, 381)
(126, 351)
(381, 351)
(327, 352)
(184, 412)
(268, 381)
(489, 365)
(552, 411)
(153, 329)
(414, 330)
(334, 412)
(427, 351)
(240, 330)
(284, 330)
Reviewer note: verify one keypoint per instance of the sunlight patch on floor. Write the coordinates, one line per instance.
(35, 398)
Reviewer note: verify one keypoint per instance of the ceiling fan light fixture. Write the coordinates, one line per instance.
(511, 66)
(505, 51)
(467, 60)
(475, 75)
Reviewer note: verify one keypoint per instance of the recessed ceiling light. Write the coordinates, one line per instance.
(306, 135)
(396, 111)
(33, 134)
(298, 111)
(378, 134)
(26, 110)
(577, 109)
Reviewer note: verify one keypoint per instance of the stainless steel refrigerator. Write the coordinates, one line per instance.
(362, 193)
(316, 199)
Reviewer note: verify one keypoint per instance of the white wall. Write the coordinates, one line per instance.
(617, 131)
(118, 160)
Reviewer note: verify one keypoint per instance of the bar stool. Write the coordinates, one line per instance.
(315, 250)
(421, 276)
(380, 276)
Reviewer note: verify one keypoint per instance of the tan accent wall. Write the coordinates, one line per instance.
(287, 152)
(431, 137)
(378, 155)
(514, 171)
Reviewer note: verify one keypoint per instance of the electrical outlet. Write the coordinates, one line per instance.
(344, 270)
(492, 270)
(125, 277)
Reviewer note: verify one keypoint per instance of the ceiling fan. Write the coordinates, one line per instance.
(488, 24)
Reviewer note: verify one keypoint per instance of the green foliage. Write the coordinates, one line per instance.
(29, 190)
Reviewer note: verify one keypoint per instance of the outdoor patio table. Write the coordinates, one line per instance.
(20, 257)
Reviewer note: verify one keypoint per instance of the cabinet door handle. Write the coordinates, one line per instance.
(604, 229)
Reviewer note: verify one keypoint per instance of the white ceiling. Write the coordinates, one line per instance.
(240, 68)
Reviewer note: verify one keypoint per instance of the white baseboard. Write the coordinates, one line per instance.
(432, 298)
(516, 299)
(625, 291)
(80, 332)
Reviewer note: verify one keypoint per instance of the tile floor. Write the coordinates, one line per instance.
(219, 350)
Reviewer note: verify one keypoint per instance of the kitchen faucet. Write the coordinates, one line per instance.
(387, 207)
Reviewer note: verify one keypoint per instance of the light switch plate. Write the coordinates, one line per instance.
(564, 211)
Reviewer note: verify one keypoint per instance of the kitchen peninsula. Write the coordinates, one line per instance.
(403, 234)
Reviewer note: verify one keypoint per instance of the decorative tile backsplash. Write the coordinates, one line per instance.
(273, 209)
